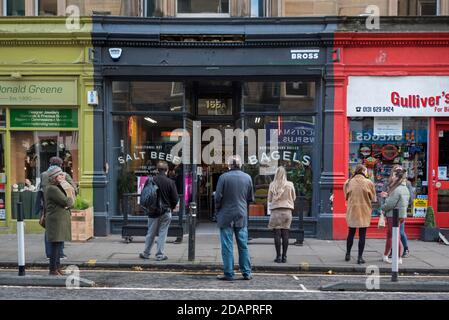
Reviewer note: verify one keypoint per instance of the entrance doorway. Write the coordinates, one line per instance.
(208, 175)
(441, 176)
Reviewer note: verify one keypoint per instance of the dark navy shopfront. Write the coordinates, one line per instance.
(168, 95)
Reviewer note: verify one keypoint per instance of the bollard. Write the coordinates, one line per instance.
(192, 225)
(20, 239)
(395, 246)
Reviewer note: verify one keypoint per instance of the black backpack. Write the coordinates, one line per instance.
(150, 198)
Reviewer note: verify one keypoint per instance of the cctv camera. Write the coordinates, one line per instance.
(115, 53)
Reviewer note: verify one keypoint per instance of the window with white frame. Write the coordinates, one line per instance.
(47, 7)
(202, 8)
(14, 7)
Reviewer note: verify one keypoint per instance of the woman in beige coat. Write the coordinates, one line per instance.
(281, 200)
(359, 194)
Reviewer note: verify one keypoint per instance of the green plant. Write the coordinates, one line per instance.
(80, 203)
(430, 218)
(301, 176)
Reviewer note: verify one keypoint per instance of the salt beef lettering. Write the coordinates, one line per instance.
(415, 101)
(153, 155)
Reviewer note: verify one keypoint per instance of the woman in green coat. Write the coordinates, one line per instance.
(58, 200)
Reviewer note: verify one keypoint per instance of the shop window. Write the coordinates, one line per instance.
(2, 118)
(2, 177)
(47, 7)
(30, 156)
(294, 150)
(294, 96)
(203, 7)
(406, 146)
(147, 96)
(139, 142)
(15, 7)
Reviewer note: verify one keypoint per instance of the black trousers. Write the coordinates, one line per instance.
(350, 240)
(55, 255)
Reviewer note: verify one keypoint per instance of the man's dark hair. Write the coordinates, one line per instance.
(162, 166)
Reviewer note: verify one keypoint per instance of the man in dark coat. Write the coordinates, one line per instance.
(232, 197)
(158, 225)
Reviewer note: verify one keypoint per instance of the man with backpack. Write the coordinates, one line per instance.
(159, 197)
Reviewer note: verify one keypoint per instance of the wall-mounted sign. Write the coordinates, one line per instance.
(388, 126)
(215, 106)
(44, 118)
(92, 97)
(412, 96)
(419, 208)
(442, 173)
(33, 92)
(304, 54)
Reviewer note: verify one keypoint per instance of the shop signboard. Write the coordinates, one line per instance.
(38, 92)
(419, 208)
(410, 96)
(44, 118)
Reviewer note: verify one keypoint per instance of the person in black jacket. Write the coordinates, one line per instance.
(158, 225)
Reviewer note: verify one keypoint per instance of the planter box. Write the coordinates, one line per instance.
(430, 234)
(82, 224)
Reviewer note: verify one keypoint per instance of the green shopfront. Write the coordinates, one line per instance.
(39, 119)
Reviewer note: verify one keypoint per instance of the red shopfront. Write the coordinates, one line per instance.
(391, 106)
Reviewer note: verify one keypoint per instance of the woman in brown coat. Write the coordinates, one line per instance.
(359, 194)
(281, 201)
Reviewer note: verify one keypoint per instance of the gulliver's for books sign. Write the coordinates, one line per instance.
(38, 92)
(411, 96)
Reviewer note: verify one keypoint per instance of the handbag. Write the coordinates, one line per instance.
(381, 222)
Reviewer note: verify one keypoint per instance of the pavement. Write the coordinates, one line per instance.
(322, 256)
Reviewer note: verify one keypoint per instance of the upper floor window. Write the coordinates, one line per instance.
(257, 8)
(130, 8)
(14, 7)
(202, 8)
(427, 8)
(47, 7)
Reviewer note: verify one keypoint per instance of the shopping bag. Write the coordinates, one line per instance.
(381, 222)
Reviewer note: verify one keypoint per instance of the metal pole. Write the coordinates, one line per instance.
(300, 236)
(395, 241)
(192, 224)
(20, 239)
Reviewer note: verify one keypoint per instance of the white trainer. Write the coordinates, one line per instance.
(400, 261)
(386, 259)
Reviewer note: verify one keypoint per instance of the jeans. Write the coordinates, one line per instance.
(157, 227)
(404, 236)
(227, 251)
(55, 257)
(48, 247)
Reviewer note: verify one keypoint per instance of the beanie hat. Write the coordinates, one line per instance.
(53, 172)
(56, 161)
